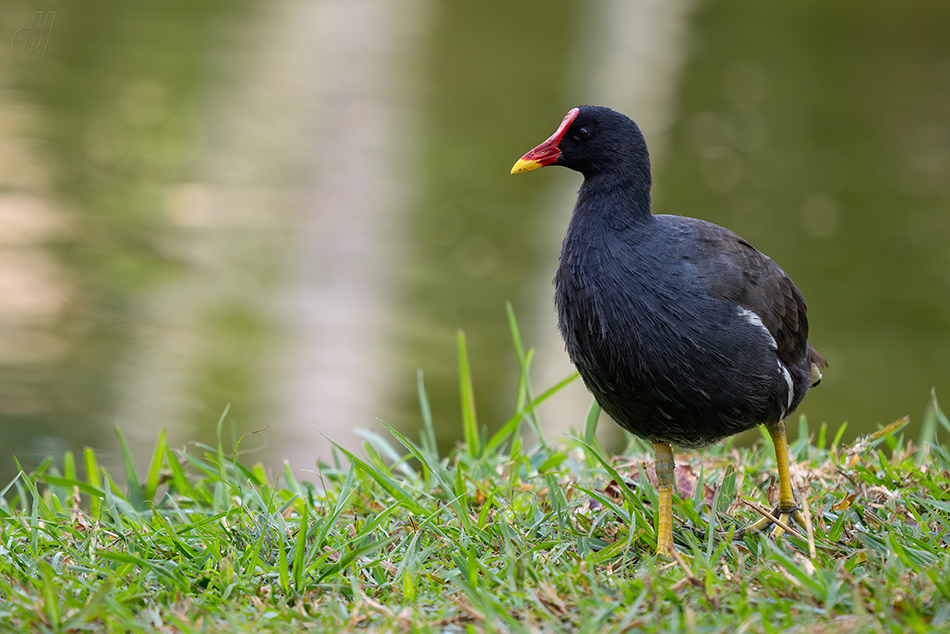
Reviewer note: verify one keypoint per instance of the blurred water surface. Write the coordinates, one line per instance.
(290, 207)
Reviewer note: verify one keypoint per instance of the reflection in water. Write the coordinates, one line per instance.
(292, 207)
(337, 363)
(292, 235)
(34, 287)
(92, 135)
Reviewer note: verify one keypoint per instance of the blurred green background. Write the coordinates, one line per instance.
(291, 206)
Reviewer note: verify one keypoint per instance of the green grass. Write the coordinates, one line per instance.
(499, 536)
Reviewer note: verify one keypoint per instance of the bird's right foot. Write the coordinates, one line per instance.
(779, 518)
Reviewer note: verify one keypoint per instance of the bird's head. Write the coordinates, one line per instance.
(592, 140)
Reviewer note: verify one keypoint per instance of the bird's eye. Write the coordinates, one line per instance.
(582, 135)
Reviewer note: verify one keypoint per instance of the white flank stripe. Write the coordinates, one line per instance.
(791, 386)
(755, 320)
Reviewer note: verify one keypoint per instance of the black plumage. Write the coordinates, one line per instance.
(683, 331)
(675, 334)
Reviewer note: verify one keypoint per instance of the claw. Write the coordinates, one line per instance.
(779, 518)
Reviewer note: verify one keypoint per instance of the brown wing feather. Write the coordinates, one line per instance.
(756, 283)
(731, 269)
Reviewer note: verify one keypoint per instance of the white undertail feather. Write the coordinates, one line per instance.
(815, 374)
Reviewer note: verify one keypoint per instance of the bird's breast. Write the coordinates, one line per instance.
(660, 354)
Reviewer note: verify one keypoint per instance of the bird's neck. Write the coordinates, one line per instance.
(621, 199)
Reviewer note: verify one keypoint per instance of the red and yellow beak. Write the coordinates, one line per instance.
(547, 152)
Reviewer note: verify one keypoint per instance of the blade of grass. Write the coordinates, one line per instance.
(89, 490)
(283, 576)
(507, 429)
(431, 464)
(91, 605)
(343, 497)
(593, 415)
(155, 467)
(941, 417)
(525, 391)
(136, 494)
(353, 555)
(388, 483)
(28, 482)
(382, 445)
(838, 435)
(92, 477)
(300, 548)
(429, 442)
(629, 495)
(218, 435)
(179, 479)
(469, 420)
(50, 595)
(69, 465)
(180, 583)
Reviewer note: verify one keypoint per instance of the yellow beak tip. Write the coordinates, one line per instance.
(525, 166)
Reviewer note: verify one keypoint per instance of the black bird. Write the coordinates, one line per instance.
(684, 332)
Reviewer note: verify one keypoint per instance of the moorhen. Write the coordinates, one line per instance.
(684, 332)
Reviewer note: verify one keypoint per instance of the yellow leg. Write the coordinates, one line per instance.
(787, 507)
(664, 481)
(786, 501)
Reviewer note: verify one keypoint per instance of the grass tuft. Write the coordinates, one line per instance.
(501, 535)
